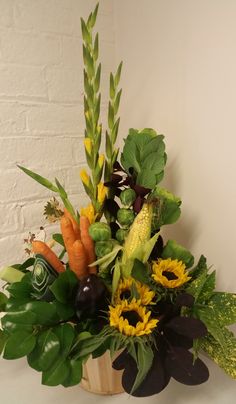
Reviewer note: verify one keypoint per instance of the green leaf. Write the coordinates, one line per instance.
(208, 288)
(45, 312)
(144, 151)
(11, 275)
(108, 146)
(3, 301)
(195, 287)
(27, 264)
(117, 101)
(97, 79)
(114, 131)
(200, 268)
(174, 251)
(45, 352)
(66, 334)
(19, 344)
(112, 87)
(207, 316)
(56, 374)
(167, 209)
(85, 32)
(41, 180)
(3, 340)
(75, 373)
(64, 311)
(110, 116)
(225, 359)
(93, 16)
(144, 362)
(96, 47)
(224, 306)
(116, 276)
(88, 346)
(59, 239)
(140, 272)
(64, 286)
(118, 74)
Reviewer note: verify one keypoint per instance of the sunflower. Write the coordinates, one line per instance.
(131, 318)
(125, 288)
(170, 273)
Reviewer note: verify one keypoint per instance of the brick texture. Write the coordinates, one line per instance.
(41, 108)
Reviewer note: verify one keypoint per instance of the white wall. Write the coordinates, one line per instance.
(41, 111)
(179, 78)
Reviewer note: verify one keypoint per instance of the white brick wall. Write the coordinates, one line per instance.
(41, 110)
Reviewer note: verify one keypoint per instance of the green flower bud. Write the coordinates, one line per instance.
(121, 234)
(125, 216)
(100, 231)
(103, 247)
(128, 197)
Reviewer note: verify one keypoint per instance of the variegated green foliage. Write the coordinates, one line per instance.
(166, 209)
(226, 359)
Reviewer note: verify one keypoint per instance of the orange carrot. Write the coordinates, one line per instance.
(74, 223)
(39, 247)
(79, 263)
(88, 243)
(69, 237)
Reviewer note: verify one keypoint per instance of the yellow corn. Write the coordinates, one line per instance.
(140, 230)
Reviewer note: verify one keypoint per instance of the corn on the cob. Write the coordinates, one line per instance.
(140, 231)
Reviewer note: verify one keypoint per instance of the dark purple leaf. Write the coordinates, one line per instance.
(114, 227)
(188, 326)
(180, 365)
(138, 204)
(178, 340)
(185, 299)
(117, 166)
(155, 381)
(111, 206)
(142, 191)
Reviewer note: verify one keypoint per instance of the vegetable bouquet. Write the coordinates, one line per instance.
(109, 281)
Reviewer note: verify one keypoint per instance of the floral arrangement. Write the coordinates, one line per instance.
(116, 284)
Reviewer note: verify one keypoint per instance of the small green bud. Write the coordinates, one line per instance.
(125, 216)
(128, 197)
(100, 231)
(121, 234)
(103, 247)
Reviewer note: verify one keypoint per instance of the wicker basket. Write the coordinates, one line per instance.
(100, 378)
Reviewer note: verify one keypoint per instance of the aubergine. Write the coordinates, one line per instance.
(92, 297)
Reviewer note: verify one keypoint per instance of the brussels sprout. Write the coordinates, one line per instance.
(125, 216)
(121, 234)
(128, 197)
(100, 231)
(103, 247)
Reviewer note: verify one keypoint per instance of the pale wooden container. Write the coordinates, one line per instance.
(100, 378)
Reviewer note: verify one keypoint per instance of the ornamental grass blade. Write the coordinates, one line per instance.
(145, 357)
(41, 180)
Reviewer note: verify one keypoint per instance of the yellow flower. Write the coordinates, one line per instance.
(170, 273)
(89, 212)
(124, 291)
(131, 318)
(84, 177)
(101, 159)
(102, 192)
(88, 145)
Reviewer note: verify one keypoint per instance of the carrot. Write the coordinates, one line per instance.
(88, 243)
(74, 223)
(79, 263)
(69, 237)
(39, 247)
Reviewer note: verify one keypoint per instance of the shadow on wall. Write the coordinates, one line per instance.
(186, 230)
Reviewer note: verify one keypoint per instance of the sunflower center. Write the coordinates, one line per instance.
(132, 317)
(169, 275)
(125, 294)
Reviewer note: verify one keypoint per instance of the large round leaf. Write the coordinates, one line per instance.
(19, 344)
(182, 367)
